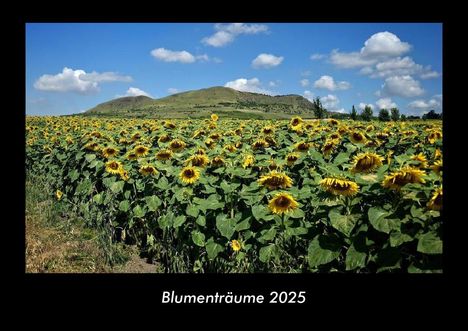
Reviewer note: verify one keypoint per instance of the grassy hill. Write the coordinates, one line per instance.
(224, 101)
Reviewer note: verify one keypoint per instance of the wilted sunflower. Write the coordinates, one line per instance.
(260, 143)
(177, 145)
(140, 150)
(282, 203)
(366, 162)
(189, 175)
(235, 245)
(217, 161)
(275, 180)
(291, 158)
(198, 161)
(339, 186)
(147, 170)
(214, 117)
(113, 167)
(421, 161)
(407, 175)
(59, 194)
(436, 200)
(109, 152)
(302, 146)
(437, 166)
(248, 161)
(357, 137)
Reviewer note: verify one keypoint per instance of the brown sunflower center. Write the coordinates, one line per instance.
(189, 173)
(283, 202)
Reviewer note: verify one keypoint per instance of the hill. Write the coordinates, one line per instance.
(224, 101)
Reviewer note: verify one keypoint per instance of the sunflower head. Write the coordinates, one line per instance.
(217, 161)
(59, 194)
(436, 200)
(136, 136)
(437, 167)
(366, 162)
(164, 138)
(198, 160)
(214, 117)
(147, 170)
(419, 160)
(140, 150)
(339, 186)
(275, 180)
(407, 175)
(329, 146)
(92, 146)
(177, 145)
(260, 143)
(189, 175)
(165, 154)
(210, 143)
(296, 121)
(357, 137)
(230, 148)
(302, 146)
(236, 246)
(132, 156)
(282, 203)
(109, 152)
(291, 158)
(248, 161)
(113, 167)
(267, 130)
(124, 174)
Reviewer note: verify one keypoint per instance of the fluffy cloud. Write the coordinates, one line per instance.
(226, 33)
(77, 81)
(266, 61)
(135, 91)
(173, 56)
(247, 85)
(363, 105)
(350, 60)
(385, 103)
(304, 82)
(403, 86)
(384, 44)
(317, 56)
(308, 95)
(327, 82)
(172, 90)
(423, 105)
(330, 102)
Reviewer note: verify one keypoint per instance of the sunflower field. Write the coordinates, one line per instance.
(228, 195)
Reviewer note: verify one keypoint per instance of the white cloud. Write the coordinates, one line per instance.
(317, 56)
(272, 84)
(404, 86)
(384, 44)
(247, 85)
(172, 90)
(68, 80)
(366, 71)
(173, 56)
(399, 66)
(363, 105)
(424, 105)
(306, 73)
(350, 60)
(105, 77)
(216, 60)
(226, 33)
(330, 102)
(429, 74)
(327, 82)
(308, 95)
(385, 103)
(267, 61)
(203, 58)
(134, 92)
(304, 82)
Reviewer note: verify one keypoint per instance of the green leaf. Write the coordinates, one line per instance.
(228, 188)
(198, 238)
(153, 202)
(90, 157)
(397, 238)
(226, 226)
(166, 220)
(268, 235)
(415, 211)
(377, 217)
(162, 183)
(84, 187)
(343, 223)
(260, 212)
(139, 212)
(117, 187)
(429, 243)
(296, 213)
(201, 220)
(341, 158)
(244, 225)
(124, 206)
(192, 210)
(213, 249)
(266, 253)
(323, 250)
(74, 175)
(98, 198)
(179, 220)
(355, 259)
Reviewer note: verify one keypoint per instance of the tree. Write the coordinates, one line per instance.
(367, 113)
(319, 111)
(353, 114)
(403, 117)
(432, 115)
(384, 115)
(395, 114)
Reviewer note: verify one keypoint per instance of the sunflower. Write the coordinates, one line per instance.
(177, 145)
(328, 147)
(282, 203)
(275, 180)
(217, 161)
(198, 160)
(92, 146)
(140, 150)
(270, 140)
(109, 152)
(302, 146)
(210, 143)
(407, 175)
(124, 174)
(113, 167)
(147, 170)
(357, 137)
(260, 143)
(215, 136)
(198, 133)
(438, 154)
(296, 121)
(164, 138)
(200, 151)
(59, 194)
(339, 186)
(132, 156)
(333, 122)
(334, 136)
(342, 130)
(169, 125)
(436, 201)
(189, 175)
(420, 160)
(437, 166)
(382, 135)
(433, 136)
(136, 136)
(267, 130)
(239, 144)
(366, 162)
(370, 128)
(291, 158)
(273, 165)
(214, 117)
(248, 161)
(231, 148)
(236, 246)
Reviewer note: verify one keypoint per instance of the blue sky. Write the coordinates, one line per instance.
(73, 67)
